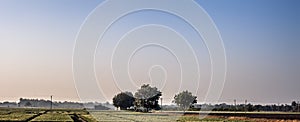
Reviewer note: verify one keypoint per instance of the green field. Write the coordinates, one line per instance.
(125, 116)
(39, 114)
(35, 114)
(132, 116)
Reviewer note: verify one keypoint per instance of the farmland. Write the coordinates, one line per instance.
(40, 114)
(173, 116)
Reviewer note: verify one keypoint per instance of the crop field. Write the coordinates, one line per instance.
(133, 116)
(53, 117)
(38, 114)
(175, 116)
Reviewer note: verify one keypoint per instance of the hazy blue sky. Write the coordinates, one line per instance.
(261, 38)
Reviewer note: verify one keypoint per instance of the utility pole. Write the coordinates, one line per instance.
(234, 104)
(51, 102)
(161, 99)
(245, 105)
(298, 106)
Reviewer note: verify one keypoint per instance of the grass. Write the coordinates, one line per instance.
(15, 117)
(197, 119)
(40, 114)
(53, 117)
(149, 117)
(88, 117)
(17, 114)
(25, 114)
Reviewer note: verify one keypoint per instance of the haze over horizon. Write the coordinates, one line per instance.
(261, 39)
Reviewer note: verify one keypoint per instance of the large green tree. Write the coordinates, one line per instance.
(147, 97)
(123, 100)
(185, 99)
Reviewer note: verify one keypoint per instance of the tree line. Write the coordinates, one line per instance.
(47, 103)
(147, 98)
(293, 107)
(41, 103)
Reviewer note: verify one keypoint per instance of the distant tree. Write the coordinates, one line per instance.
(185, 99)
(294, 103)
(27, 104)
(257, 107)
(101, 107)
(123, 100)
(249, 107)
(147, 97)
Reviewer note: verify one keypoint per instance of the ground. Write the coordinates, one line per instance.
(43, 114)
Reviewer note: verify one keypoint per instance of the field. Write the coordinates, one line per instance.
(38, 114)
(175, 116)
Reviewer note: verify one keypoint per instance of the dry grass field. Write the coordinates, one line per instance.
(40, 114)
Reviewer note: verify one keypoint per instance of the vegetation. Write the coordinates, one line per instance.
(47, 103)
(185, 99)
(123, 100)
(197, 119)
(53, 117)
(88, 118)
(147, 97)
(248, 107)
(18, 114)
(42, 114)
(125, 116)
(29, 114)
(15, 117)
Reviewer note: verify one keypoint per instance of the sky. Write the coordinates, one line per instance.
(261, 40)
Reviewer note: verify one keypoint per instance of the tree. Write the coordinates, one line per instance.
(257, 107)
(147, 97)
(123, 100)
(185, 99)
(294, 103)
(27, 104)
(101, 107)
